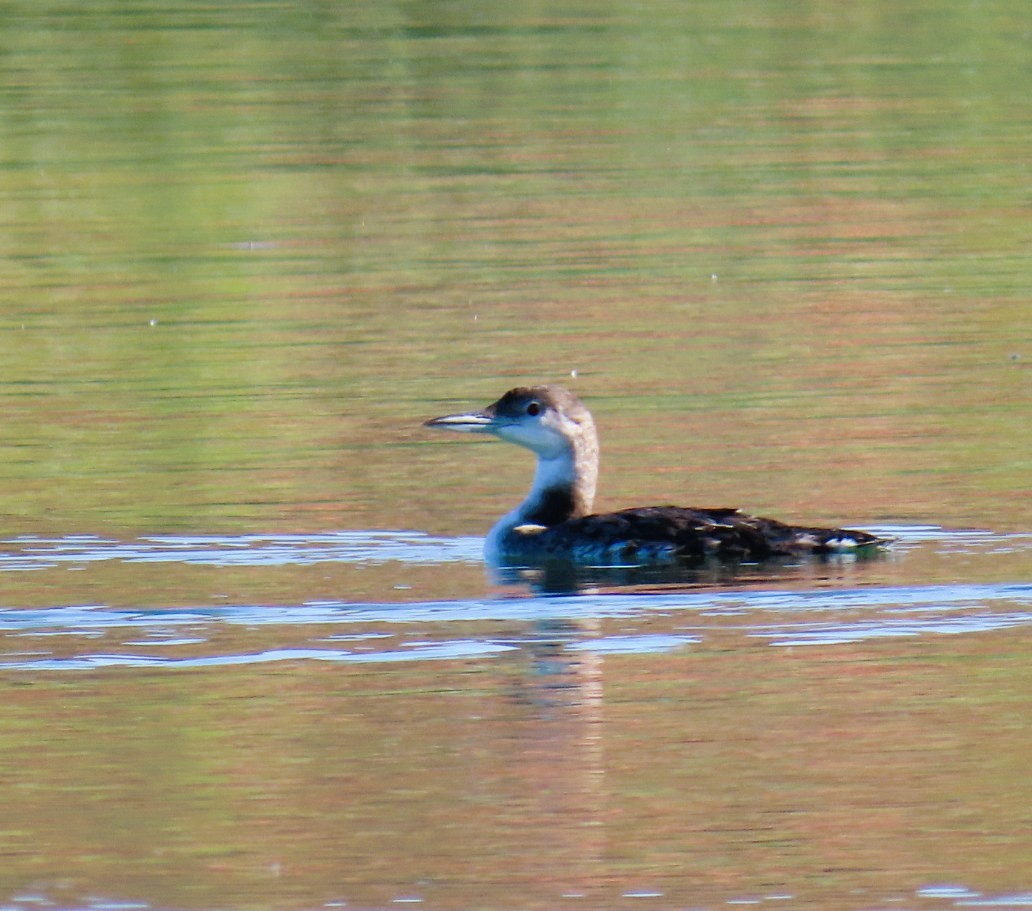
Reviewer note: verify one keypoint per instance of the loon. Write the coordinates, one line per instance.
(555, 520)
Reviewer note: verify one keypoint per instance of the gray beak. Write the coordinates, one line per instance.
(473, 422)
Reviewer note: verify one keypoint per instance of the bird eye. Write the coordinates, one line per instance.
(534, 409)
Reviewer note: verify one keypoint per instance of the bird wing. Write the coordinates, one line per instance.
(685, 532)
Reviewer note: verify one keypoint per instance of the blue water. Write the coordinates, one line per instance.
(155, 636)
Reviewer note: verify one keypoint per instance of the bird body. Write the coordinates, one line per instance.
(555, 519)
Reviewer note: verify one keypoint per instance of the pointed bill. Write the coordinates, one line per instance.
(471, 422)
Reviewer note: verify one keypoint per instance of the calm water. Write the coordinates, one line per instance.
(249, 655)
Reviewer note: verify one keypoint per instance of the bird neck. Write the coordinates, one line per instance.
(562, 490)
(563, 487)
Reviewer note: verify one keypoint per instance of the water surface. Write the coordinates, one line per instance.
(249, 655)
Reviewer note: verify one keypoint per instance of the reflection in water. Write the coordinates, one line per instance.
(635, 737)
(561, 757)
(545, 760)
(556, 576)
(247, 245)
(644, 610)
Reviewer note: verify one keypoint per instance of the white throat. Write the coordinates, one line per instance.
(563, 488)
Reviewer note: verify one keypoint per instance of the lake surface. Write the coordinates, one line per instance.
(249, 654)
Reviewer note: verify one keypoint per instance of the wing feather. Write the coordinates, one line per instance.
(678, 532)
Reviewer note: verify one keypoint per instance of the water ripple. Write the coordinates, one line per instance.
(367, 547)
(32, 553)
(57, 638)
(783, 618)
(894, 600)
(460, 649)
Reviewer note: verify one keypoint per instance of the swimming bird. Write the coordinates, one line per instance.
(555, 519)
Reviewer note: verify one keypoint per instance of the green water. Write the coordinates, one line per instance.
(247, 249)
(781, 250)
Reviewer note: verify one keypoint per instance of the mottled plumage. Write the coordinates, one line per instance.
(555, 519)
